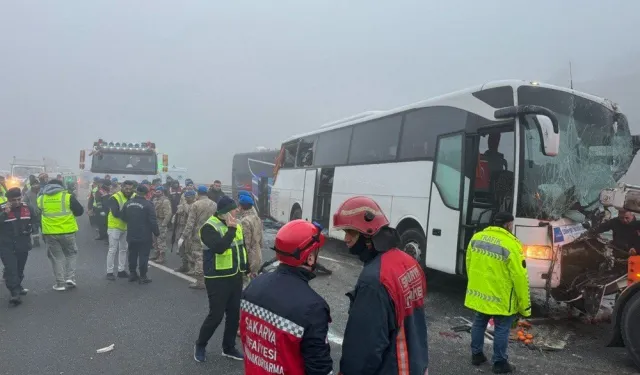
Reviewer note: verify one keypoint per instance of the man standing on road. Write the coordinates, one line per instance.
(386, 331)
(215, 191)
(163, 214)
(31, 200)
(226, 260)
(299, 318)
(498, 288)
(624, 229)
(100, 209)
(180, 219)
(252, 232)
(140, 216)
(59, 227)
(117, 231)
(199, 212)
(16, 222)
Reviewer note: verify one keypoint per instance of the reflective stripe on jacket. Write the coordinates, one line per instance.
(57, 217)
(497, 271)
(232, 260)
(112, 221)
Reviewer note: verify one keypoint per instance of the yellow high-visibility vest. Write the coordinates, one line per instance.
(57, 217)
(112, 221)
(229, 263)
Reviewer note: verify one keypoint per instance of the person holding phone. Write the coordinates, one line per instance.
(224, 262)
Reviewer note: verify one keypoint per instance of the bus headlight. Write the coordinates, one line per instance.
(537, 252)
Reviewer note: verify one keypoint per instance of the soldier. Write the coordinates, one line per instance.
(180, 219)
(252, 231)
(199, 212)
(163, 214)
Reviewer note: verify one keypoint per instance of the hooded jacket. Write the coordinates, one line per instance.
(51, 189)
(386, 331)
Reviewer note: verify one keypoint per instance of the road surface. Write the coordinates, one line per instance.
(153, 326)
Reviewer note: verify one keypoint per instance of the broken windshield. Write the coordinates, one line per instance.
(595, 152)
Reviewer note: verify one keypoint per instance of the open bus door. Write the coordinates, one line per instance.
(445, 203)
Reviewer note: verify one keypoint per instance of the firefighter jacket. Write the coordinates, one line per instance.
(285, 333)
(386, 331)
(497, 271)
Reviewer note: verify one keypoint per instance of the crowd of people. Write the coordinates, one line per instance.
(220, 239)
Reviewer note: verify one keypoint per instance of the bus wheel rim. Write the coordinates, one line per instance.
(413, 248)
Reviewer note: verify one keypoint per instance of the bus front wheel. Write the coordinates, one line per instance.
(414, 243)
(630, 328)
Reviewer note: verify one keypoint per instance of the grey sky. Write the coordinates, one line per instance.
(206, 79)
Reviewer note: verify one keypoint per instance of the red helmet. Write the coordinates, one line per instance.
(296, 240)
(361, 214)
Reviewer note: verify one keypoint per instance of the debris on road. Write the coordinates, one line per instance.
(106, 349)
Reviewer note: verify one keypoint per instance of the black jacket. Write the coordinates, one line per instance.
(140, 216)
(386, 315)
(300, 305)
(16, 233)
(625, 236)
(214, 195)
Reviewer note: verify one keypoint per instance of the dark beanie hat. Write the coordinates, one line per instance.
(225, 205)
(502, 218)
(142, 189)
(13, 193)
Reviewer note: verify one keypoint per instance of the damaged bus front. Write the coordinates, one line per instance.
(557, 195)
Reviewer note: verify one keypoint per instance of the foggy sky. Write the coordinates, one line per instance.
(207, 79)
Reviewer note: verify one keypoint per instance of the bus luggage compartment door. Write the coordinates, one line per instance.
(309, 194)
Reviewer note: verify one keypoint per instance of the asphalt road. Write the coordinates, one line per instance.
(153, 326)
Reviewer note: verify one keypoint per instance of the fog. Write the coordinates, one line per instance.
(206, 79)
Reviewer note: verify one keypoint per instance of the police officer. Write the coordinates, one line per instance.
(298, 319)
(16, 222)
(498, 288)
(225, 260)
(386, 331)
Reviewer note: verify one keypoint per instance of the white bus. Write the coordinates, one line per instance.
(441, 168)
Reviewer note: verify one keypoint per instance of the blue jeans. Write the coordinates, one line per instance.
(500, 335)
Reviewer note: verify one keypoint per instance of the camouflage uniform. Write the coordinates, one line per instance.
(199, 212)
(163, 213)
(252, 232)
(182, 214)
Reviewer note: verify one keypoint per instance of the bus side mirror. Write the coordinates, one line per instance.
(545, 120)
(550, 141)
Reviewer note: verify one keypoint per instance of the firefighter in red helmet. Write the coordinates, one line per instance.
(284, 323)
(386, 331)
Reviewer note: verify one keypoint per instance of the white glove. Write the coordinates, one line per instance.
(180, 242)
(103, 214)
(173, 218)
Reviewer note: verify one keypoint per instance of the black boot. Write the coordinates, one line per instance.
(123, 274)
(144, 280)
(478, 359)
(503, 367)
(133, 276)
(15, 300)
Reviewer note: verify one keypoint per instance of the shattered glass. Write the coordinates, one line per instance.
(595, 152)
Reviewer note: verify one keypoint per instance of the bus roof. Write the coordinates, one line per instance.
(371, 115)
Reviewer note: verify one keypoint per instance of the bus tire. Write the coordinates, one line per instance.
(630, 328)
(296, 212)
(414, 243)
